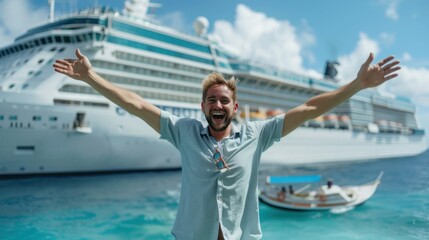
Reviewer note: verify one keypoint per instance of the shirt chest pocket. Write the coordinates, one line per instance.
(199, 161)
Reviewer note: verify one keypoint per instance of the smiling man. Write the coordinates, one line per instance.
(220, 161)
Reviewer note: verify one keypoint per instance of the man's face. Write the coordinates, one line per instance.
(219, 107)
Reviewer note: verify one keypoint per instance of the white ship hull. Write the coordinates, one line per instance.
(309, 145)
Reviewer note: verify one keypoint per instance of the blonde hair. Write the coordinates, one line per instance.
(217, 79)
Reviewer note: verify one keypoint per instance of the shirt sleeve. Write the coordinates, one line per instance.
(270, 132)
(170, 129)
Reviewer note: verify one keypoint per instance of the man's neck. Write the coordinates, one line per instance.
(222, 134)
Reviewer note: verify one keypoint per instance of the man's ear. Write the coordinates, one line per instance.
(235, 107)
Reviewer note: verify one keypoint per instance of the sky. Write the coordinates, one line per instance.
(298, 35)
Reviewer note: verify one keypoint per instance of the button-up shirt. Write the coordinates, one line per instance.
(210, 198)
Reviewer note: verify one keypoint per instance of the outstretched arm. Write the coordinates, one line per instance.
(368, 76)
(81, 69)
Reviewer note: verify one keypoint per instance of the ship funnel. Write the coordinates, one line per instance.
(331, 70)
(201, 24)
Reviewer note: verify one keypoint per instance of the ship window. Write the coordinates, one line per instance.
(25, 148)
(25, 86)
(53, 118)
(67, 39)
(11, 86)
(13, 117)
(37, 118)
(1, 117)
(30, 72)
(62, 49)
(43, 41)
(50, 40)
(95, 104)
(98, 36)
(37, 73)
(58, 39)
(40, 61)
(53, 49)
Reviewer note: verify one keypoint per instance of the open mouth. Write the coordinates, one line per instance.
(218, 115)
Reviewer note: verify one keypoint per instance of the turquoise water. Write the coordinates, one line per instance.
(143, 205)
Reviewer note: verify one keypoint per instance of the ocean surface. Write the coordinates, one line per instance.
(142, 205)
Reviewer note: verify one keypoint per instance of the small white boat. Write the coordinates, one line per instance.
(327, 197)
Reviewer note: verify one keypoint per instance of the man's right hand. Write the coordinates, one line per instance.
(75, 68)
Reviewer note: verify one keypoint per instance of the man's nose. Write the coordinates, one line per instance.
(218, 103)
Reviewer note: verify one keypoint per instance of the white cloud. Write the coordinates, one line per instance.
(16, 16)
(350, 64)
(174, 20)
(391, 11)
(387, 39)
(412, 82)
(406, 57)
(257, 37)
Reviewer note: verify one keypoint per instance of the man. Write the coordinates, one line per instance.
(331, 189)
(220, 162)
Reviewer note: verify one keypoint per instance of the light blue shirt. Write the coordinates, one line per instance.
(208, 197)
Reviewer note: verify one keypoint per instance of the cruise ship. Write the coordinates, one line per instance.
(50, 123)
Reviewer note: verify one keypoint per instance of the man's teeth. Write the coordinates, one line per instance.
(218, 114)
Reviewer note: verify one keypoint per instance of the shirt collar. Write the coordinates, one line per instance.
(235, 132)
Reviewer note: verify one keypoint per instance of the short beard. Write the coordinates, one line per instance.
(211, 124)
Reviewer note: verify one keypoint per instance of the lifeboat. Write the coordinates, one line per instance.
(274, 112)
(344, 122)
(330, 120)
(316, 122)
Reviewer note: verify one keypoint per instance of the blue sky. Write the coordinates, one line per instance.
(299, 35)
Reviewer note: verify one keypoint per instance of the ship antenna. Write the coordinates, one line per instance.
(137, 9)
(51, 13)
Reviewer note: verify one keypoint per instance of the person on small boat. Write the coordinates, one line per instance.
(281, 196)
(331, 189)
(291, 191)
(220, 162)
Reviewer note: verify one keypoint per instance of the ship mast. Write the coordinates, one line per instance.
(52, 10)
(137, 9)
